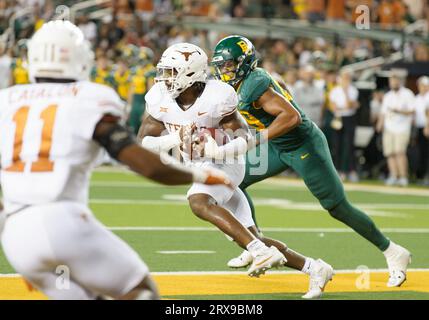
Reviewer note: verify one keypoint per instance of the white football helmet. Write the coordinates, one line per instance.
(58, 50)
(180, 66)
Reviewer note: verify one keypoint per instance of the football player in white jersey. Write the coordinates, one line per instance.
(51, 133)
(183, 101)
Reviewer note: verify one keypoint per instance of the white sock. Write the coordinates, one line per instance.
(391, 250)
(255, 247)
(308, 265)
(146, 295)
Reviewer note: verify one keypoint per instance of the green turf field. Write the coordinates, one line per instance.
(156, 221)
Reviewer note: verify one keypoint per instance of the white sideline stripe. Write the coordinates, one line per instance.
(143, 184)
(270, 184)
(287, 204)
(276, 181)
(273, 229)
(343, 271)
(137, 202)
(283, 203)
(187, 252)
(196, 273)
(353, 187)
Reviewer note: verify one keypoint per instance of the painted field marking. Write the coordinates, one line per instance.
(269, 229)
(279, 203)
(187, 252)
(288, 182)
(279, 272)
(362, 187)
(137, 202)
(232, 273)
(231, 283)
(171, 285)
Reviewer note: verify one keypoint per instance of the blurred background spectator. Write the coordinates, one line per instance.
(128, 37)
(375, 164)
(395, 121)
(309, 96)
(344, 103)
(422, 105)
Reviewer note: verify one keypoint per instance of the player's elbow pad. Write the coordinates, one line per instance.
(161, 144)
(115, 139)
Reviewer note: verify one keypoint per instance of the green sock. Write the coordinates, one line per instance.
(361, 223)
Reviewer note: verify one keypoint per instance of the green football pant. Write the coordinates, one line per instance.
(313, 162)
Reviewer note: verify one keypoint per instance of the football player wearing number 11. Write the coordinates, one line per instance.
(293, 141)
(51, 134)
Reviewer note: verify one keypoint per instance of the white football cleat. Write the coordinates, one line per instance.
(243, 260)
(397, 262)
(320, 275)
(266, 259)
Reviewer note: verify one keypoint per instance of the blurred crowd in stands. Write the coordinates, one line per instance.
(129, 41)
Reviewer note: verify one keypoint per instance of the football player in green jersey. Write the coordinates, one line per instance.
(292, 140)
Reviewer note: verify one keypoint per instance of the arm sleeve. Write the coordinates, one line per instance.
(162, 143)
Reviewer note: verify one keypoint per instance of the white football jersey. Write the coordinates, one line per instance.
(46, 145)
(217, 101)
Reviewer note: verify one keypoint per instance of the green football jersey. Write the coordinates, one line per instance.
(250, 90)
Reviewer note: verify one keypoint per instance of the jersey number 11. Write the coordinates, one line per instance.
(42, 164)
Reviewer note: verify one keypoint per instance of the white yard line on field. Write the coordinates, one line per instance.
(187, 252)
(271, 229)
(372, 209)
(353, 187)
(341, 271)
(284, 203)
(136, 202)
(203, 273)
(272, 183)
(148, 184)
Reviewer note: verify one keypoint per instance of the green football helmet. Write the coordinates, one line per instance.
(233, 59)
